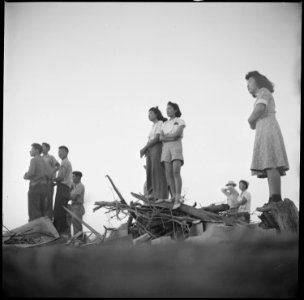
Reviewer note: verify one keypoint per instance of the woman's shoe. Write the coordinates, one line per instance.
(177, 203)
(266, 207)
(170, 200)
(159, 201)
(150, 197)
(194, 222)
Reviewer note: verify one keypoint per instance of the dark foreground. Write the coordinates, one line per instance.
(263, 268)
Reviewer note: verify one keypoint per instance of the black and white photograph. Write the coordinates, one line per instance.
(151, 149)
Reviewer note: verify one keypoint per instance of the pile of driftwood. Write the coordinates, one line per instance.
(150, 221)
(147, 220)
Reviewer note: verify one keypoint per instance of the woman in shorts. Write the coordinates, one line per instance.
(172, 151)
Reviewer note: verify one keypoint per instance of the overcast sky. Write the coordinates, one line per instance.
(84, 75)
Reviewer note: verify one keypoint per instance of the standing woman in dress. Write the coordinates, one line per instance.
(172, 152)
(157, 187)
(269, 154)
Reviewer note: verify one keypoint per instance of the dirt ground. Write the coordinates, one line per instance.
(261, 268)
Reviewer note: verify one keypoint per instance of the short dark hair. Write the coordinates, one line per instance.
(261, 80)
(47, 145)
(65, 148)
(175, 106)
(158, 114)
(38, 147)
(245, 182)
(77, 173)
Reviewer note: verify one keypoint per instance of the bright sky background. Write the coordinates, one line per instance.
(84, 75)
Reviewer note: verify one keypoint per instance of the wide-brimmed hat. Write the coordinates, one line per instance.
(231, 182)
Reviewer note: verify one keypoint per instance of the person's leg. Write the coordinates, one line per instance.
(43, 190)
(159, 181)
(66, 197)
(170, 177)
(77, 225)
(60, 215)
(274, 183)
(49, 200)
(57, 209)
(34, 210)
(69, 223)
(177, 164)
(149, 174)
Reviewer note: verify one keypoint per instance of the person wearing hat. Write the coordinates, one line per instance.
(76, 206)
(231, 193)
(244, 200)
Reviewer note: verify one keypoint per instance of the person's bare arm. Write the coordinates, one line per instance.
(226, 191)
(149, 144)
(257, 112)
(173, 136)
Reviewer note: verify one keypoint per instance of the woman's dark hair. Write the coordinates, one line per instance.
(176, 108)
(261, 80)
(158, 114)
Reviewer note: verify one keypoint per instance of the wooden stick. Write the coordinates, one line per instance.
(117, 191)
(83, 222)
(140, 197)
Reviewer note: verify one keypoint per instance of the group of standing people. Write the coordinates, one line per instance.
(44, 173)
(164, 159)
(164, 156)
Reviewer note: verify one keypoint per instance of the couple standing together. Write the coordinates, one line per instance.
(164, 155)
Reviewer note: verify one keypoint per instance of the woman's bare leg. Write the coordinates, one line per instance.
(177, 164)
(274, 182)
(170, 177)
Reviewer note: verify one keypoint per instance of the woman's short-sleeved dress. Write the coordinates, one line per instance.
(269, 149)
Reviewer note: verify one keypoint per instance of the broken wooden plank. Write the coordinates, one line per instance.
(42, 225)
